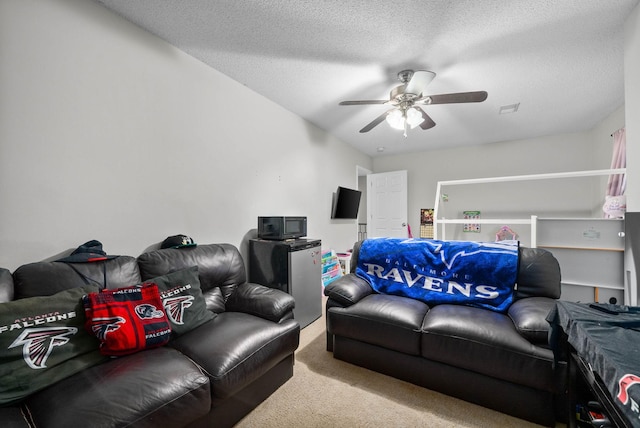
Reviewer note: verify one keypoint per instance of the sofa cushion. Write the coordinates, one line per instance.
(43, 340)
(529, 317)
(235, 349)
(485, 342)
(392, 322)
(538, 274)
(182, 300)
(219, 266)
(47, 278)
(156, 387)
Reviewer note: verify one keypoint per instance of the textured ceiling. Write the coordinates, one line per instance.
(562, 60)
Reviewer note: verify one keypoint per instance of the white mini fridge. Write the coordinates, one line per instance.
(293, 266)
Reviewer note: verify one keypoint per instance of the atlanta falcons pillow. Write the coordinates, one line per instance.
(182, 299)
(127, 320)
(42, 341)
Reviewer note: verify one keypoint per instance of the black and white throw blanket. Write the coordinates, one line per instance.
(433, 271)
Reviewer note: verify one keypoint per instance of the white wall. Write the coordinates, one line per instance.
(558, 153)
(632, 101)
(109, 133)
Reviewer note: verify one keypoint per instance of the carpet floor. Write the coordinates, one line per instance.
(325, 392)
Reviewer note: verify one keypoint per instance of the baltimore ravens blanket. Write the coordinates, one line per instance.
(470, 273)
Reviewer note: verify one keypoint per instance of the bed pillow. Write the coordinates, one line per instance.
(182, 299)
(42, 341)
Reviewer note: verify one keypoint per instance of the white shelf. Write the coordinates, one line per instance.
(594, 219)
(581, 234)
(584, 284)
(569, 247)
(439, 222)
(487, 221)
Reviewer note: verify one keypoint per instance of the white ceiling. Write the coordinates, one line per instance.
(562, 60)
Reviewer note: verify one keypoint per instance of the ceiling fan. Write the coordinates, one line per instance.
(407, 98)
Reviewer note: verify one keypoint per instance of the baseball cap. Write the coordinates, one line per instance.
(178, 241)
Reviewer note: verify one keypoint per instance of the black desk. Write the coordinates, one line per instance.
(604, 350)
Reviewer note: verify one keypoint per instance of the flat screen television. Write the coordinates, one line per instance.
(346, 203)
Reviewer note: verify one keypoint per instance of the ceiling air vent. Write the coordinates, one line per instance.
(511, 108)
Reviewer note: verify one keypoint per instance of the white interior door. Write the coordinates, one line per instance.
(387, 205)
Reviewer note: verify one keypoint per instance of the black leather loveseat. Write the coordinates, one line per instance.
(212, 375)
(497, 360)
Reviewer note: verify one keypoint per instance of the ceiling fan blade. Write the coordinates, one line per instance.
(428, 122)
(375, 122)
(362, 102)
(419, 82)
(459, 97)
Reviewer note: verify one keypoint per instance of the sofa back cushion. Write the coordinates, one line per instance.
(47, 278)
(220, 269)
(538, 274)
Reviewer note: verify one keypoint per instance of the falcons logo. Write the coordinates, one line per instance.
(37, 343)
(175, 306)
(103, 326)
(625, 383)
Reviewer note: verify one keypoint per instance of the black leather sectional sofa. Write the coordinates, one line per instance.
(212, 375)
(497, 360)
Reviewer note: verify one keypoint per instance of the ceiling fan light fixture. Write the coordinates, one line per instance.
(414, 117)
(395, 119)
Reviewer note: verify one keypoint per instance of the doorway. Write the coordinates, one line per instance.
(383, 206)
(361, 177)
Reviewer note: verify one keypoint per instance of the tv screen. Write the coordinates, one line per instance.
(346, 203)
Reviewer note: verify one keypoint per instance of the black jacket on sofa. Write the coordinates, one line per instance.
(212, 375)
(498, 360)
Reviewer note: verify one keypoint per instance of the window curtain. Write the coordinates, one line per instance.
(615, 203)
(618, 182)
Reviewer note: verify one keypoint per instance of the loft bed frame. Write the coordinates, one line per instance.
(439, 224)
(613, 251)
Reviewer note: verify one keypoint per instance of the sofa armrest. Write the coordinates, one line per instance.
(529, 316)
(348, 289)
(268, 303)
